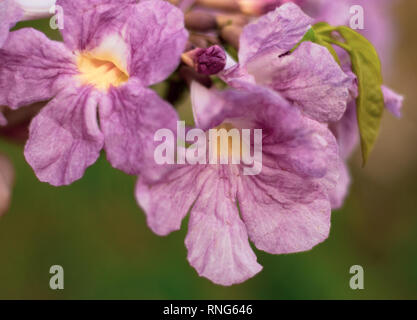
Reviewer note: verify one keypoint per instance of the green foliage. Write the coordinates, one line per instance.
(367, 67)
(309, 36)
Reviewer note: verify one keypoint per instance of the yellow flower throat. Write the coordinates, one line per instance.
(102, 71)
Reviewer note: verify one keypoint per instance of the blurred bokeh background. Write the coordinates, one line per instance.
(95, 230)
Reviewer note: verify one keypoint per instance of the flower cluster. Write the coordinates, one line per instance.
(96, 85)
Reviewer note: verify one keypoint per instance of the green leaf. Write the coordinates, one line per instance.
(370, 102)
(309, 36)
(367, 67)
(319, 30)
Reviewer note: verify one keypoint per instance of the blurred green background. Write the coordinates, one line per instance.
(95, 230)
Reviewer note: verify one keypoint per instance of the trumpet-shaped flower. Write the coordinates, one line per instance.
(283, 209)
(309, 77)
(96, 81)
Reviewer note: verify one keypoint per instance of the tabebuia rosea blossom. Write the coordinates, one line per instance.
(306, 74)
(309, 76)
(376, 25)
(96, 81)
(283, 209)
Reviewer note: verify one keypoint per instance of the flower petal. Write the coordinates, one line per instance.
(309, 77)
(10, 13)
(281, 29)
(158, 40)
(217, 241)
(338, 194)
(311, 152)
(167, 201)
(32, 68)
(130, 115)
(393, 101)
(86, 22)
(346, 131)
(283, 212)
(207, 105)
(64, 139)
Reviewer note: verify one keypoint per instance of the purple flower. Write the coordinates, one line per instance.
(308, 77)
(96, 82)
(284, 209)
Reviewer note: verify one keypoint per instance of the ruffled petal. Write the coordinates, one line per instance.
(130, 115)
(207, 106)
(217, 240)
(284, 213)
(158, 40)
(64, 139)
(281, 29)
(346, 131)
(146, 38)
(309, 77)
(167, 201)
(10, 14)
(311, 152)
(338, 195)
(393, 101)
(33, 68)
(87, 22)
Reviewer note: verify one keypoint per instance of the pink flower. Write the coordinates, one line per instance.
(284, 209)
(309, 77)
(97, 83)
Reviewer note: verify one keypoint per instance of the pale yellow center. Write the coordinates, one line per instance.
(102, 71)
(229, 143)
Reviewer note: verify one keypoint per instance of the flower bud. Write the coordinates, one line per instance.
(206, 61)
